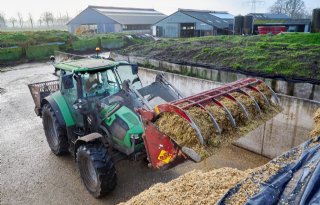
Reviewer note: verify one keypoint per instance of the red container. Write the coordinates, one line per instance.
(271, 29)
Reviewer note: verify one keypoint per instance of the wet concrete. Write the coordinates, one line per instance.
(31, 174)
(288, 129)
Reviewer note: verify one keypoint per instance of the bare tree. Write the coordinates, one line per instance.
(40, 21)
(66, 18)
(293, 8)
(20, 18)
(13, 21)
(63, 19)
(47, 17)
(30, 20)
(59, 19)
(2, 20)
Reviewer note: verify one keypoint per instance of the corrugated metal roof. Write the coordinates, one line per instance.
(269, 16)
(223, 15)
(210, 17)
(129, 16)
(128, 19)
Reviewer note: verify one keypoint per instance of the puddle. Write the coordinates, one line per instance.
(2, 91)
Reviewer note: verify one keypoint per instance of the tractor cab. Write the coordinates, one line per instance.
(96, 77)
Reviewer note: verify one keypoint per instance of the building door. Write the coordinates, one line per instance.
(159, 31)
(187, 30)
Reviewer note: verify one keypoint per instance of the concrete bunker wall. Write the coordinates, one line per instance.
(301, 90)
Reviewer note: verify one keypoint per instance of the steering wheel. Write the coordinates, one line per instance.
(110, 82)
(95, 86)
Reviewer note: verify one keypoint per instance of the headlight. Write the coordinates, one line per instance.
(135, 136)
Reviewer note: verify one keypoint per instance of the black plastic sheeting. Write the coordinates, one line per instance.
(296, 183)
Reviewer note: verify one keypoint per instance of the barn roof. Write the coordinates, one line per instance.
(269, 16)
(219, 19)
(127, 16)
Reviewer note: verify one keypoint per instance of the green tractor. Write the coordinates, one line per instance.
(90, 112)
(99, 112)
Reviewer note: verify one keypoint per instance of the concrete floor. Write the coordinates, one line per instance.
(31, 174)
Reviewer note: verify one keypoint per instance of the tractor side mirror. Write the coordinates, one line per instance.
(67, 81)
(134, 68)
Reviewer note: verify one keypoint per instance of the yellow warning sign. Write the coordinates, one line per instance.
(156, 109)
(164, 156)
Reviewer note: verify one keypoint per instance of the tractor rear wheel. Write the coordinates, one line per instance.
(55, 133)
(96, 169)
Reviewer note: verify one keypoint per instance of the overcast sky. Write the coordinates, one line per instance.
(36, 7)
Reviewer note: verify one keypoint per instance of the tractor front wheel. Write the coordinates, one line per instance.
(96, 169)
(55, 133)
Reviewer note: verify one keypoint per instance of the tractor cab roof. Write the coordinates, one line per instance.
(87, 65)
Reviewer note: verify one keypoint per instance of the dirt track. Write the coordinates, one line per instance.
(31, 174)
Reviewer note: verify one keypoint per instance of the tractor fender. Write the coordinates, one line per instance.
(60, 108)
(55, 108)
(85, 139)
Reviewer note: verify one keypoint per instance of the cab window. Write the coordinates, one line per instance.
(99, 83)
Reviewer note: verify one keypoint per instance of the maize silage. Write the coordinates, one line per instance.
(181, 131)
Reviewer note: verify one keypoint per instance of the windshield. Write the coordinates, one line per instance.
(99, 83)
(125, 73)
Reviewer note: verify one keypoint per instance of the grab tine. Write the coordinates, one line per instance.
(232, 120)
(252, 98)
(215, 123)
(261, 93)
(240, 104)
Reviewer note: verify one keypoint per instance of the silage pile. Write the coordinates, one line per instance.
(252, 184)
(178, 129)
(316, 131)
(195, 187)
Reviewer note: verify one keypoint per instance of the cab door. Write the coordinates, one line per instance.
(70, 95)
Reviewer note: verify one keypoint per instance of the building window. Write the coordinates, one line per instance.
(136, 27)
(188, 28)
(87, 29)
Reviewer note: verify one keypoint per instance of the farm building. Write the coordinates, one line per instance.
(98, 19)
(279, 20)
(191, 23)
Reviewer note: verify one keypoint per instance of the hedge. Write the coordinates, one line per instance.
(40, 51)
(112, 43)
(10, 54)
